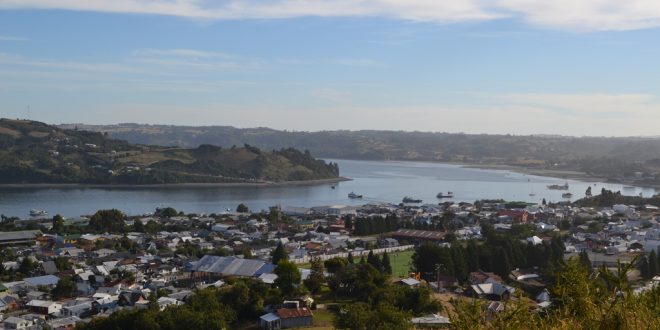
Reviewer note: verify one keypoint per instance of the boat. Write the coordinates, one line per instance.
(411, 200)
(354, 195)
(448, 195)
(566, 195)
(333, 186)
(558, 187)
(38, 213)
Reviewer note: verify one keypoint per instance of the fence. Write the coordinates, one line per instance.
(358, 253)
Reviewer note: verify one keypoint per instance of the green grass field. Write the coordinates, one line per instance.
(401, 263)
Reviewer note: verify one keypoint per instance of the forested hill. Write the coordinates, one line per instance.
(613, 158)
(34, 152)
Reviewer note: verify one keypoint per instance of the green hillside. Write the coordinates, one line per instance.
(33, 152)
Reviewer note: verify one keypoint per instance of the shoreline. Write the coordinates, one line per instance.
(559, 174)
(177, 185)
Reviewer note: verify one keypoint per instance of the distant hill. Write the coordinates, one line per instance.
(34, 152)
(619, 159)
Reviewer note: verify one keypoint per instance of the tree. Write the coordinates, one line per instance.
(584, 260)
(138, 226)
(588, 192)
(65, 288)
(643, 265)
(544, 202)
(62, 263)
(27, 266)
(108, 221)
(350, 258)
(334, 265)
(654, 268)
(361, 316)
(288, 277)
(316, 277)
(58, 224)
(348, 224)
(387, 266)
(279, 254)
(242, 208)
(167, 212)
(374, 261)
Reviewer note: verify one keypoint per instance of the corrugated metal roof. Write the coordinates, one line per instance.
(42, 280)
(19, 235)
(286, 313)
(230, 266)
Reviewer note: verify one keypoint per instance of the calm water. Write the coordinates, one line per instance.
(378, 181)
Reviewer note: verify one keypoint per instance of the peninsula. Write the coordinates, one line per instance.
(36, 153)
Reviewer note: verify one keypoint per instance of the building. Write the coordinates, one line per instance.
(16, 323)
(287, 318)
(23, 237)
(418, 236)
(481, 277)
(231, 266)
(44, 307)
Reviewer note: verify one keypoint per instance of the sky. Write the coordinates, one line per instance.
(570, 67)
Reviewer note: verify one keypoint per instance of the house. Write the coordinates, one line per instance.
(77, 308)
(16, 323)
(131, 298)
(432, 321)
(65, 323)
(44, 307)
(164, 302)
(491, 291)
(481, 277)
(46, 280)
(389, 243)
(287, 318)
(409, 282)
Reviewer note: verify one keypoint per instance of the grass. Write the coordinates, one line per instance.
(401, 263)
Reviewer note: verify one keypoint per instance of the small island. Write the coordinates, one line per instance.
(36, 153)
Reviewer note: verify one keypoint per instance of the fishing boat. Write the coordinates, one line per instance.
(558, 187)
(448, 195)
(354, 195)
(411, 200)
(566, 195)
(38, 213)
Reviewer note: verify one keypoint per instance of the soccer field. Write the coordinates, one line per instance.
(401, 263)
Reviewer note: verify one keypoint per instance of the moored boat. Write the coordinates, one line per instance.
(354, 195)
(448, 195)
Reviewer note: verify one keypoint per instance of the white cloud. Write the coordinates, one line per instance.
(12, 38)
(595, 104)
(587, 15)
(581, 15)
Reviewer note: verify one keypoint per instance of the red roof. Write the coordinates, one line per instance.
(287, 313)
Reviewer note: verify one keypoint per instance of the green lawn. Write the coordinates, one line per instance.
(401, 263)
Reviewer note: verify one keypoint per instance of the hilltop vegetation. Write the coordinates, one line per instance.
(33, 152)
(618, 159)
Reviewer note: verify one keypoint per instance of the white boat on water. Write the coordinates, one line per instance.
(38, 213)
(354, 195)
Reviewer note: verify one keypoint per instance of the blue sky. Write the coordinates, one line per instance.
(585, 67)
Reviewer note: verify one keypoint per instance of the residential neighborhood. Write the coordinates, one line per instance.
(58, 272)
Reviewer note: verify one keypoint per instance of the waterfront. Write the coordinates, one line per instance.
(378, 181)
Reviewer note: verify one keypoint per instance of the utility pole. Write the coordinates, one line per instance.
(437, 269)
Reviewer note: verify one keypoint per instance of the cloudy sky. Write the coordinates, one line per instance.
(573, 67)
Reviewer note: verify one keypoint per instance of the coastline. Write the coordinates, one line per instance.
(177, 185)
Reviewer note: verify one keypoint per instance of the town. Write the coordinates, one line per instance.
(296, 267)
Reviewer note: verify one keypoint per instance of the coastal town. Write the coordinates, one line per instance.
(64, 273)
